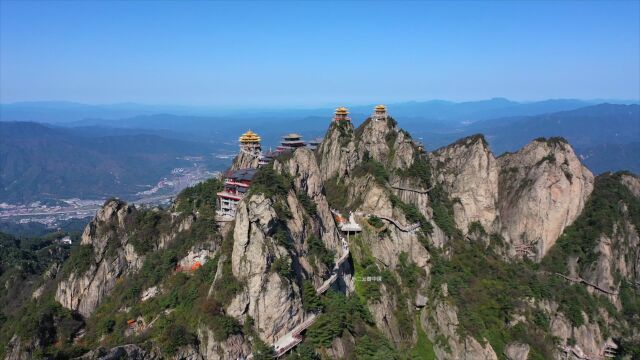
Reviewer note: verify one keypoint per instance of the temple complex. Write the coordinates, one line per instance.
(341, 114)
(313, 144)
(290, 142)
(379, 113)
(236, 185)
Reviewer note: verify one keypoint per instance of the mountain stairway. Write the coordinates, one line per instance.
(403, 228)
(583, 281)
(419, 191)
(289, 340)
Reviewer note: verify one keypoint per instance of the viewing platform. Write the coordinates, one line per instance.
(347, 226)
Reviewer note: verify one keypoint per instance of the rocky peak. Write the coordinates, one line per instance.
(529, 197)
(244, 160)
(543, 188)
(303, 168)
(271, 243)
(337, 152)
(469, 173)
(107, 253)
(272, 301)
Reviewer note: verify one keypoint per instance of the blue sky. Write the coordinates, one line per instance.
(317, 53)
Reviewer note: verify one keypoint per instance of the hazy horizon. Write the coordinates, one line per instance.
(311, 106)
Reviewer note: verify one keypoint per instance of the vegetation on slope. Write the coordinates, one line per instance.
(370, 166)
(22, 264)
(185, 296)
(198, 196)
(419, 170)
(604, 209)
(335, 190)
(182, 306)
(488, 290)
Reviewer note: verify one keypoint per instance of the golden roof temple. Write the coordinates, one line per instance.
(249, 138)
(341, 114)
(379, 113)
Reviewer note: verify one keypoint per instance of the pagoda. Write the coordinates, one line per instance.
(250, 143)
(341, 114)
(379, 113)
(290, 142)
(313, 144)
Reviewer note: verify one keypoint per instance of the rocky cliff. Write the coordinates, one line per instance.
(244, 160)
(543, 189)
(469, 172)
(529, 197)
(110, 254)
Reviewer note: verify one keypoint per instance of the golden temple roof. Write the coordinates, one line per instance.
(249, 137)
(342, 111)
(381, 108)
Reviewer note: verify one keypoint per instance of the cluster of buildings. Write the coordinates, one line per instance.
(237, 183)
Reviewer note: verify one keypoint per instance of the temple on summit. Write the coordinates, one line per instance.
(379, 113)
(250, 142)
(341, 114)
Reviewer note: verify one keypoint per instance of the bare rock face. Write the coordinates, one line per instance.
(129, 351)
(18, 350)
(388, 248)
(517, 351)
(383, 141)
(469, 173)
(235, 347)
(84, 292)
(337, 153)
(529, 196)
(308, 179)
(587, 338)
(244, 161)
(112, 257)
(632, 182)
(616, 254)
(273, 302)
(543, 188)
(444, 321)
(386, 143)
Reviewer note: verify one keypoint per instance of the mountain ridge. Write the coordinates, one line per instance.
(39, 161)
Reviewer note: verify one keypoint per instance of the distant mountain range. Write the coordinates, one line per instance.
(67, 112)
(604, 135)
(40, 162)
(101, 156)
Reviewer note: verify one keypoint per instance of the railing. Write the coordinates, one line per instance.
(403, 228)
(583, 281)
(325, 286)
(289, 346)
(419, 191)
